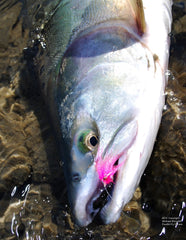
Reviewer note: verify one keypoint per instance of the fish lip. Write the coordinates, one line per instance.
(97, 213)
(89, 207)
(90, 213)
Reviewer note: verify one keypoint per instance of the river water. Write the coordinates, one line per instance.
(33, 201)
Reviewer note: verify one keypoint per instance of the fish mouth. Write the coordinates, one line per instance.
(102, 197)
(98, 201)
(90, 204)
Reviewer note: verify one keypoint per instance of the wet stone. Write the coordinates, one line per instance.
(18, 108)
(177, 166)
(179, 124)
(130, 225)
(16, 175)
(137, 194)
(50, 229)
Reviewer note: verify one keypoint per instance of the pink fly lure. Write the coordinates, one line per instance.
(106, 167)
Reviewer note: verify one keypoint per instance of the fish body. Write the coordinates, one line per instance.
(103, 76)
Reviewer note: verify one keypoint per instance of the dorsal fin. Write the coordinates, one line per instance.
(138, 14)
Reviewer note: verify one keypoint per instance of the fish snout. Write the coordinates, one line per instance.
(82, 195)
(89, 197)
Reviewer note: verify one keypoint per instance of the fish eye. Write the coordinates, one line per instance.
(87, 141)
(91, 141)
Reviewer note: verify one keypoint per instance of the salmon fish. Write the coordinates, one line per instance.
(103, 75)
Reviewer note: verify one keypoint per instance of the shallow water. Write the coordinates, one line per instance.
(33, 202)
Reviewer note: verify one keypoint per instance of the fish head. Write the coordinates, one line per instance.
(94, 162)
(100, 133)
